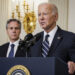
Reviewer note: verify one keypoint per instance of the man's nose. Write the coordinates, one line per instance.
(14, 29)
(42, 17)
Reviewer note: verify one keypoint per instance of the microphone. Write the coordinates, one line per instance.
(28, 37)
(33, 40)
(22, 43)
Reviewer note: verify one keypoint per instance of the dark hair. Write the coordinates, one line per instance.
(15, 20)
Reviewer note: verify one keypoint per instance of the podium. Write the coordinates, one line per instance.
(35, 65)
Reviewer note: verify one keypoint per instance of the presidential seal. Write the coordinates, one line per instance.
(18, 70)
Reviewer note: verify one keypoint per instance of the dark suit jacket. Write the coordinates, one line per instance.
(3, 51)
(63, 46)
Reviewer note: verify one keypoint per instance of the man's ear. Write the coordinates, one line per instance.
(7, 31)
(56, 17)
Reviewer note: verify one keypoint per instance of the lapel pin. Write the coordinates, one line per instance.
(58, 37)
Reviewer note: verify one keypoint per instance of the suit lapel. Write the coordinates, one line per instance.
(39, 48)
(5, 49)
(56, 41)
(19, 52)
(40, 44)
(36, 49)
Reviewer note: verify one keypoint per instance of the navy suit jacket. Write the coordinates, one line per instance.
(63, 46)
(20, 52)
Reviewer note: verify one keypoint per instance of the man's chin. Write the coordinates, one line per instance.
(43, 27)
(14, 39)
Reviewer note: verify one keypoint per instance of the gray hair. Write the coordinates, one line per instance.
(53, 6)
(15, 20)
(54, 9)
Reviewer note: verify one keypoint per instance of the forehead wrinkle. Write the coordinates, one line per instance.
(46, 7)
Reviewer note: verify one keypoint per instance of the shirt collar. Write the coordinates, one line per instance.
(51, 33)
(15, 43)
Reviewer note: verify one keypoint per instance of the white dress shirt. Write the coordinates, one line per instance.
(51, 35)
(16, 43)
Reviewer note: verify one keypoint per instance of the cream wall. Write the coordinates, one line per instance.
(6, 7)
(71, 16)
(66, 16)
(3, 18)
(62, 6)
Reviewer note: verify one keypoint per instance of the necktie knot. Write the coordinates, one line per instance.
(12, 45)
(46, 37)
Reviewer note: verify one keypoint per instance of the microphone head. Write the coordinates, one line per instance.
(37, 37)
(29, 40)
(22, 43)
(28, 37)
(33, 40)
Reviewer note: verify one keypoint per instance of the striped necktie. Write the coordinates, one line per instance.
(45, 46)
(11, 53)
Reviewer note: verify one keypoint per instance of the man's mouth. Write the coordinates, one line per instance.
(42, 23)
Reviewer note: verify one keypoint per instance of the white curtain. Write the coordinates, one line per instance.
(62, 6)
(3, 18)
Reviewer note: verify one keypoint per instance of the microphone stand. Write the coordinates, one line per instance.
(25, 46)
(30, 41)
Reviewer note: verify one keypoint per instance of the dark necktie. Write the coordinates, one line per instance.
(11, 54)
(45, 46)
